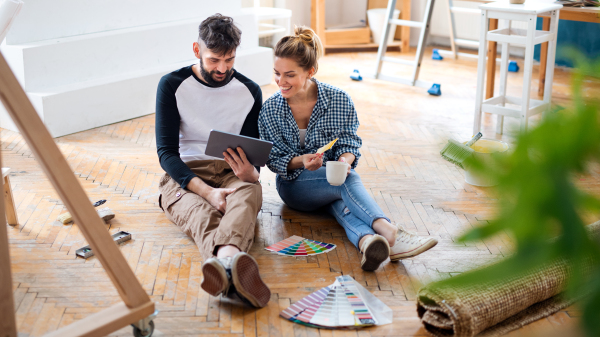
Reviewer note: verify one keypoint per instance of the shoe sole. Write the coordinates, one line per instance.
(426, 246)
(247, 281)
(375, 254)
(215, 278)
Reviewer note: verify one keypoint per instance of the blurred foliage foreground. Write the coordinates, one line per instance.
(539, 204)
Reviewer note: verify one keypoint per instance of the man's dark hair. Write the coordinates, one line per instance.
(220, 34)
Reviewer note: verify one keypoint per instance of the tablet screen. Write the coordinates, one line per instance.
(256, 150)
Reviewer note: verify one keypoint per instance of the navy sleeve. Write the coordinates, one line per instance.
(167, 134)
(250, 126)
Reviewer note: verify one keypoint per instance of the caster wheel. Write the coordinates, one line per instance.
(138, 333)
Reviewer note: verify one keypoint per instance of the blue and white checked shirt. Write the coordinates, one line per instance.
(333, 117)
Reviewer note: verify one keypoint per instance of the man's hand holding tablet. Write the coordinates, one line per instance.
(241, 166)
(229, 146)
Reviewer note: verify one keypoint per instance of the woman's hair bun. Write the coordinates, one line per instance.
(304, 46)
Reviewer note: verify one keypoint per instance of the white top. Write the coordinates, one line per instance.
(204, 108)
(302, 137)
(529, 7)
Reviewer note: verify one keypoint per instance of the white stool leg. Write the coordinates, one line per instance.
(527, 69)
(480, 71)
(502, 89)
(550, 60)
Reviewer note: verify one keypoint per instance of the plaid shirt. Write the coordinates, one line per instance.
(333, 117)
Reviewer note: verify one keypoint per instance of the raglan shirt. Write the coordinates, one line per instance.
(187, 108)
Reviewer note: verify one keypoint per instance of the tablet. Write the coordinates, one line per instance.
(256, 150)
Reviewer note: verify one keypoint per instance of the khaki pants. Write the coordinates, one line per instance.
(201, 221)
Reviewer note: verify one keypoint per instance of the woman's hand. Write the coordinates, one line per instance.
(312, 161)
(343, 160)
(241, 166)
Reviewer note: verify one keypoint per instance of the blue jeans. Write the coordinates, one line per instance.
(350, 203)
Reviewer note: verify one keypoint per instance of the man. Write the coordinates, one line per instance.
(214, 201)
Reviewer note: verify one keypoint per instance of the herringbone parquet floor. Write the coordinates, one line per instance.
(403, 130)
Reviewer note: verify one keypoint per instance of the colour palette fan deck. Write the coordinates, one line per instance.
(299, 246)
(338, 306)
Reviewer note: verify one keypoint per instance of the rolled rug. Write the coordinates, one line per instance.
(8, 11)
(497, 307)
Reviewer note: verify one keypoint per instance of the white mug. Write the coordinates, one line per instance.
(336, 172)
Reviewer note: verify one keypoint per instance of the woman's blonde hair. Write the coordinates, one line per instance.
(304, 47)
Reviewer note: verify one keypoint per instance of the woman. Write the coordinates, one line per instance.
(305, 115)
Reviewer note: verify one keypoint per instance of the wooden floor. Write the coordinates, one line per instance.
(403, 129)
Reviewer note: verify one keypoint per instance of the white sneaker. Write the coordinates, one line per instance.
(408, 244)
(375, 250)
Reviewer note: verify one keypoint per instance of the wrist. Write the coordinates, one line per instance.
(256, 175)
(296, 163)
(204, 191)
(198, 186)
(253, 177)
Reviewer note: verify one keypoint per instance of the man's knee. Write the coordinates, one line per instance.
(249, 194)
(252, 189)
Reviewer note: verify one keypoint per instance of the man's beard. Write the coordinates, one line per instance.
(208, 76)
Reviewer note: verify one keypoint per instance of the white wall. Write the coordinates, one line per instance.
(50, 19)
(345, 13)
(300, 11)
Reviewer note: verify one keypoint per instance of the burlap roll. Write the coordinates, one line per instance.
(497, 307)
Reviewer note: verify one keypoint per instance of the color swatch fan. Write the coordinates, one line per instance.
(338, 306)
(299, 246)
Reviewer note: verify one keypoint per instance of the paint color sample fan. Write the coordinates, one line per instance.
(299, 246)
(338, 306)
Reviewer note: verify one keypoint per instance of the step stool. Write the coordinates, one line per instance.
(424, 26)
(528, 38)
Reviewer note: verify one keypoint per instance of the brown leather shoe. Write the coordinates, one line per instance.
(216, 280)
(247, 282)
